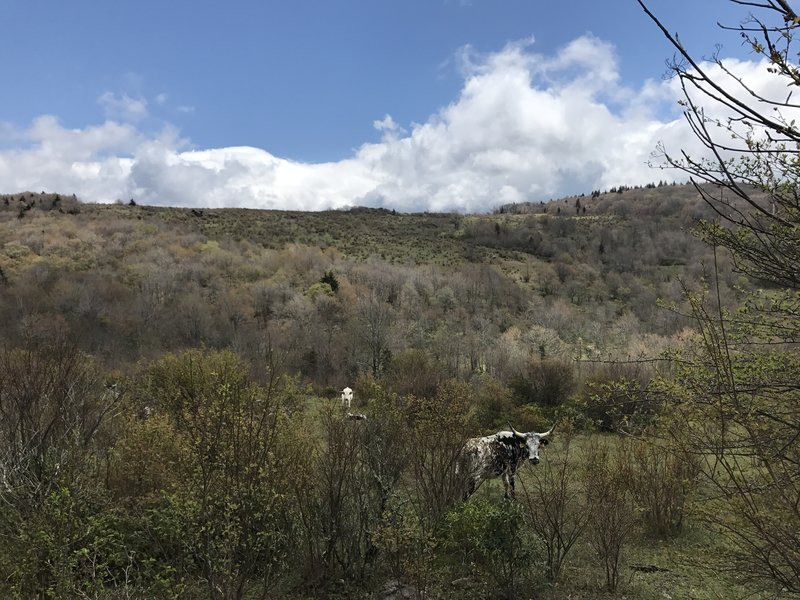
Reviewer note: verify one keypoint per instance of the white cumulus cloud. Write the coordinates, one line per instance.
(525, 126)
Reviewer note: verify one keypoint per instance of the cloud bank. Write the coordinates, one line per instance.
(525, 126)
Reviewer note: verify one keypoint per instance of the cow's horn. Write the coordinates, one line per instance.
(548, 432)
(515, 432)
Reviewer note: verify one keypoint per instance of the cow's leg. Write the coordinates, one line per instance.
(508, 484)
(471, 487)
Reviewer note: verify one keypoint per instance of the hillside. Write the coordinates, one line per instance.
(168, 385)
(590, 274)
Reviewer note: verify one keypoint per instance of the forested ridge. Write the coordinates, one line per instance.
(134, 281)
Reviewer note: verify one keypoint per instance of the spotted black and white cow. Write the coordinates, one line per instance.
(500, 455)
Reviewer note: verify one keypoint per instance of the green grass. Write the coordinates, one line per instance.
(690, 564)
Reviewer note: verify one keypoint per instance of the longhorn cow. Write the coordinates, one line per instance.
(500, 455)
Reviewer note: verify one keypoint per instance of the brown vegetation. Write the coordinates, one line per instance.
(169, 392)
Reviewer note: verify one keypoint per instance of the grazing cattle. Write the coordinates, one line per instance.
(347, 397)
(500, 455)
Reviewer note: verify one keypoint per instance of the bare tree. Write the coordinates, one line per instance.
(753, 143)
(51, 406)
(554, 504)
(736, 387)
(374, 317)
(610, 509)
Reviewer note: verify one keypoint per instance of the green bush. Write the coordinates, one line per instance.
(493, 405)
(492, 538)
(230, 494)
(530, 418)
(546, 382)
(71, 543)
(660, 479)
(408, 552)
(622, 403)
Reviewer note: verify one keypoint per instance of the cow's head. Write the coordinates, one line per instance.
(532, 441)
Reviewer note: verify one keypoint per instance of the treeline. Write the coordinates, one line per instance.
(136, 282)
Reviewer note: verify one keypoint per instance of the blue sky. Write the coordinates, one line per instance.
(411, 104)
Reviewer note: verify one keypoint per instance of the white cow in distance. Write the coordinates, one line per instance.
(347, 397)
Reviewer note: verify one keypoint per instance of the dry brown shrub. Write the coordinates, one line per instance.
(554, 505)
(610, 508)
(660, 478)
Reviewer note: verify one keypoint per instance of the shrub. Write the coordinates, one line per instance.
(493, 405)
(339, 509)
(618, 395)
(490, 537)
(65, 544)
(530, 418)
(660, 479)
(346, 487)
(610, 508)
(546, 382)
(408, 550)
(438, 434)
(56, 523)
(618, 404)
(231, 495)
(413, 372)
(554, 505)
(319, 289)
